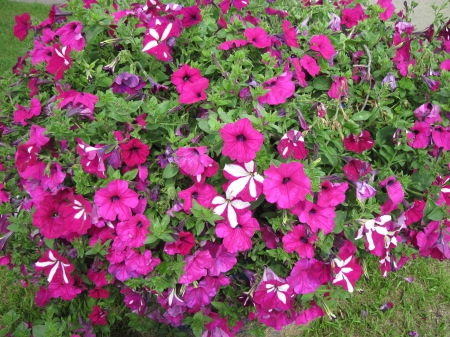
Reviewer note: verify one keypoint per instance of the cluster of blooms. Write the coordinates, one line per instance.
(262, 171)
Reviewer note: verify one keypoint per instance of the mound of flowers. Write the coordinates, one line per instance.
(213, 161)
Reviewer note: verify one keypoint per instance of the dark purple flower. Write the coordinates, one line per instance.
(127, 83)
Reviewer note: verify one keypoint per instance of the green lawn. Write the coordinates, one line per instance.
(11, 47)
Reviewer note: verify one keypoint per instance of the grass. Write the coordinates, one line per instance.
(12, 48)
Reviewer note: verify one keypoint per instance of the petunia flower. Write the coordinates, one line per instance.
(419, 136)
(22, 26)
(356, 169)
(280, 88)
(241, 141)
(185, 74)
(223, 261)
(310, 65)
(98, 316)
(134, 152)
(194, 92)
(202, 193)
(55, 267)
(127, 83)
(360, 143)
(193, 161)
(257, 37)
(59, 62)
(229, 207)
(434, 241)
(330, 194)
(239, 238)
(244, 182)
(70, 35)
(351, 16)
(196, 266)
(303, 278)
(335, 23)
(339, 88)
(317, 217)
(389, 9)
(290, 34)
(231, 44)
(309, 314)
(134, 231)
(428, 113)
(23, 114)
(300, 241)
(394, 189)
(191, 16)
(286, 185)
(441, 137)
(346, 268)
(116, 200)
(364, 190)
(322, 44)
(292, 143)
(155, 41)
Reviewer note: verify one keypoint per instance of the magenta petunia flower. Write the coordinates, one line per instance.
(445, 65)
(231, 44)
(257, 37)
(286, 185)
(116, 200)
(134, 152)
(310, 65)
(419, 136)
(300, 241)
(23, 114)
(428, 113)
(292, 143)
(274, 294)
(185, 74)
(223, 261)
(339, 88)
(202, 193)
(194, 92)
(134, 231)
(434, 241)
(155, 41)
(280, 89)
(241, 141)
(185, 242)
(55, 267)
(322, 44)
(290, 34)
(196, 266)
(299, 73)
(98, 316)
(22, 26)
(394, 189)
(330, 194)
(244, 182)
(360, 143)
(356, 169)
(191, 16)
(303, 278)
(193, 161)
(70, 35)
(59, 62)
(346, 268)
(239, 238)
(389, 9)
(351, 16)
(441, 137)
(309, 314)
(317, 217)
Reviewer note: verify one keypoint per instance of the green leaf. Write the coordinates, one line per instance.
(361, 116)
(322, 83)
(170, 171)
(92, 33)
(130, 175)
(422, 179)
(39, 330)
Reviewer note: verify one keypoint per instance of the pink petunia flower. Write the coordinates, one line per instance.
(304, 276)
(185, 74)
(322, 44)
(257, 37)
(330, 194)
(70, 35)
(116, 200)
(317, 217)
(241, 141)
(419, 136)
(445, 65)
(191, 16)
(292, 143)
(196, 266)
(441, 137)
(231, 44)
(55, 267)
(434, 241)
(389, 9)
(300, 241)
(286, 185)
(59, 62)
(356, 169)
(290, 34)
(394, 189)
(134, 152)
(360, 143)
(155, 41)
(194, 92)
(309, 314)
(310, 65)
(23, 114)
(98, 316)
(351, 16)
(339, 88)
(193, 160)
(239, 238)
(223, 260)
(244, 182)
(280, 89)
(346, 268)
(22, 26)
(134, 231)
(364, 190)
(202, 193)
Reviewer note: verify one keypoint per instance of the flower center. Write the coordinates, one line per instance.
(390, 182)
(313, 211)
(304, 240)
(238, 226)
(241, 138)
(115, 198)
(195, 195)
(186, 78)
(286, 180)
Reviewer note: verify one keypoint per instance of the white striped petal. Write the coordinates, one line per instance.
(281, 296)
(150, 45)
(53, 272)
(235, 170)
(166, 31)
